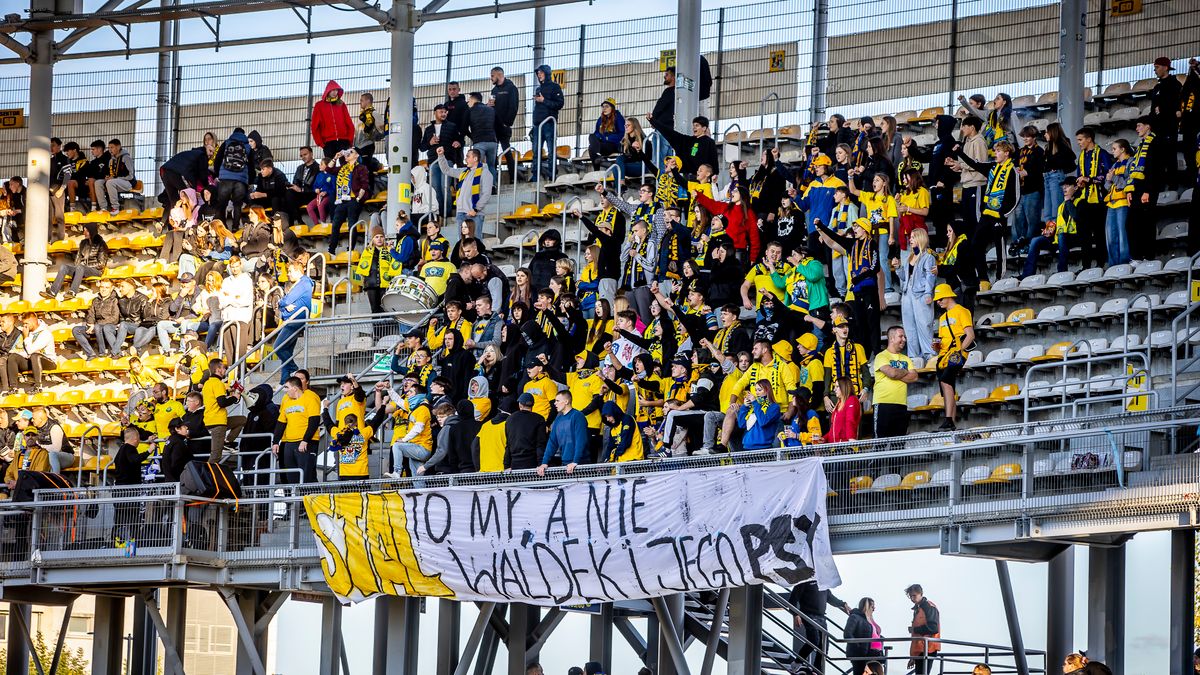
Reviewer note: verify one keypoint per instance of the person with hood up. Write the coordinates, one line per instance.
(234, 161)
(942, 178)
(260, 149)
(547, 101)
(541, 268)
(424, 197)
(623, 441)
(610, 128)
(118, 177)
(261, 415)
(472, 412)
(185, 170)
(332, 128)
(91, 259)
(456, 364)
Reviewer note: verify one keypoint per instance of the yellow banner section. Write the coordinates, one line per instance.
(368, 549)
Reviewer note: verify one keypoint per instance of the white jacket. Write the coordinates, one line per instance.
(237, 298)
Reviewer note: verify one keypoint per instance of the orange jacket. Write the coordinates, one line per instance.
(926, 623)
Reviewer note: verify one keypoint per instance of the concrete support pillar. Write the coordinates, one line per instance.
(397, 626)
(539, 37)
(18, 649)
(1183, 593)
(162, 101)
(1016, 639)
(449, 634)
(601, 637)
(400, 91)
(1106, 606)
(145, 644)
(176, 617)
(670, 635)
(1072, 61)
(1060, 607)
(331, 637)
(687, 65)
(108, 636)
(820, 60)
(744, 654)
(524, 619)
(37, 202)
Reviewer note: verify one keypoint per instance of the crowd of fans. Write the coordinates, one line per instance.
(710, 313)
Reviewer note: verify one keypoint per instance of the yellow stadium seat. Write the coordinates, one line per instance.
(75, 304)
(72, 217)
(1055, 352)
(119, 242)
(524, 212)
(74, 366)
(146, 240)
(551, 210)
(1016, 318)
(46, 305)
(1002, 474)
(913, 480)
(153, 213)
(14, 400)
(1000, 394)
(563, 152)
(935, 403)
(111, 429)
(320, 230)
(378, 198)
(527, 157)
(42, 398)
(62, 334)
(70, 397)
(96, 217)
(64, 246)
(15, 307)
(859, 483)
(120, 272)
(123, 216)
(300, 230)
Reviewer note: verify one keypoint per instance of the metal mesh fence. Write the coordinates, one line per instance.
(884, 56)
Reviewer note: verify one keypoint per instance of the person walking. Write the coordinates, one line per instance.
(866, 634)
(926, 627)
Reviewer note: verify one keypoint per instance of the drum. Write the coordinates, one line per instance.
(409, 294)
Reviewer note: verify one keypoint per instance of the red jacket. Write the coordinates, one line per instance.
(740, 224)
(331, 121)
(843, 423)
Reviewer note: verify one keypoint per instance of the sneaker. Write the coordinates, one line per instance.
(47, 295)
(392, 475)
(947, 425)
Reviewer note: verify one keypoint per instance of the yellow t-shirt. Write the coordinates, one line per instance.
(879, 210)
(493, 443)
(352, 457)
(406, 418)
(763, 281)
(437, 275)
(810, 374)
(543, 390)
(583, 389)
(347, 405)
(295, 413)
(915, 200)
(953, 324)
(163, 414)
(729, 387)
(781, 374)
(214, 414)
(846, 362)
(888, 390)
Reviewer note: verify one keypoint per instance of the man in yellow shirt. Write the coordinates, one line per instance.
(844, 358)
(893, 373)
(223, 430)
(437, 271)
(490, 446)
(540, 386)
(352, 401)
(587, 396)
(956, 333)
(299, 418)
(779, 372)
(767, 275)
(165, 409)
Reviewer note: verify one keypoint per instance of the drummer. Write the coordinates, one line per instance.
(438, 270)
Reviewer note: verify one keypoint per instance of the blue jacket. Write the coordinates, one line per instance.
(568, 438)
(224, 174)
(191, 164)
(616, 134)
(552, 99)
(766, 426)
(324, 182)
(301, 296)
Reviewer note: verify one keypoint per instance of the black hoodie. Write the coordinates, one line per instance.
(943, 149)
(458, 458)
(458, 366)
(526, 436)
(261, 151)
(541, 268)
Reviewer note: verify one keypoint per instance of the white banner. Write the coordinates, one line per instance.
(599, 540)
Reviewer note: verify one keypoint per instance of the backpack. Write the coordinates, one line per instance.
(235, 159)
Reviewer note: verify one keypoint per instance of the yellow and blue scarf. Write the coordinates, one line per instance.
(998, 180)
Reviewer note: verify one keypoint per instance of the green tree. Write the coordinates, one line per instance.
(70, 663)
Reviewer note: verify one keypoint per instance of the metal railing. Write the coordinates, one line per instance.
(1183, 331)
(578, 233)
(1080, 355)
(500, 184)
(536, 159)
(762, 116)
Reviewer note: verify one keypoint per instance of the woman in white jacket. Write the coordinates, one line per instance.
(237, 310)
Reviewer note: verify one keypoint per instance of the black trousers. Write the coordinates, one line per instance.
(334, 147)
(891, 420)
(598, 149)
(1090, 221)
(375, 298)
(231, 192)
(989, 231)
(866, 318)
(1141, 226)
(172, 183)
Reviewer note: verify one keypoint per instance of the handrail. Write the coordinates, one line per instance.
(578, 233)
(237, 366)
(1068, 361)
(333, 294)
(762, 115)
(618, 177)
(237, 338)
(739, 145)
(99, 452)
(500, 184)
(1189, 332)
(1129, 308)
(537, 159)
(652, 141)
(319, 288)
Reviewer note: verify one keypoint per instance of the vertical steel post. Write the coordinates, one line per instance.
(37, 204)
(400, 91)
(601, 637)
(449, 633)
(716, 94)
(18, 650)
(331, 637)
(1072, 60)
(176, 97)
(1060, 607)
(107, 635)
(397, 626)
(449, 61)
(952, 76)
(579, 90)
(820, 60)
(312, 74)
(745, 630)
(176, 617)
(1103, 26)
(523, 620)
(687, 65)
(539, 37)
(1183, 593)
(1014, 621)
(1106, 605)
(671, 660)
(162, 99)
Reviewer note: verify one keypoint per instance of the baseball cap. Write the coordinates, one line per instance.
(840, 321)
(25, 415)
(438, 245)
(345, 379)
(525, 399)
(1164, 61)
(186, 277)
